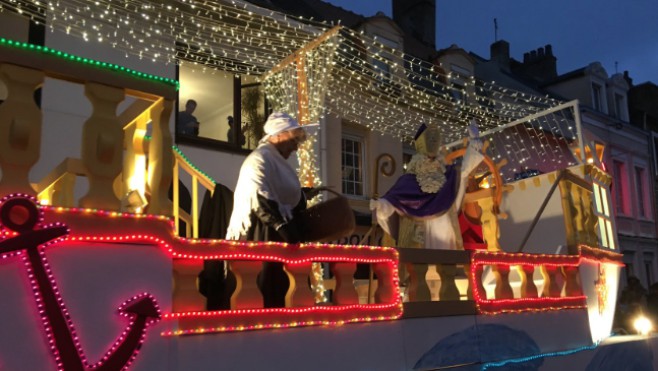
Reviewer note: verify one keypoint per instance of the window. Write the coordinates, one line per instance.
(229, 113)
(629, 269)
(382, 69)
(640, 191)
(383, 65)
(619, 106)
(619, 185)
(648, 270)
(458, 81)
(607, 237)
(597, 97)
(352, 156)
(654, 135)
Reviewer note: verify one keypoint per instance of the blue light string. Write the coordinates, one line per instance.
(543, 355)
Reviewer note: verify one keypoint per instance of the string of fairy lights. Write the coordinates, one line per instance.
(351, 74)
(241, 38)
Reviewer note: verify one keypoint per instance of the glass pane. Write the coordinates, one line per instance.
(597, 198)
(252, 102)
(602, 233)
(611, 238)
(604, 201)
(212, 110)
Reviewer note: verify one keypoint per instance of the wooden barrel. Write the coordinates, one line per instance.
(328, 220)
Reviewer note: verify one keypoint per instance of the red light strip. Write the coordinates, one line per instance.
(160, 232)
(63, 339)
(493, 258)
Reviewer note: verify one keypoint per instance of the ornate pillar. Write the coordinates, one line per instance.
(299, 293)
(246, 294)
(161, 161)
(20, 128)
(102, 147)
(344, 293)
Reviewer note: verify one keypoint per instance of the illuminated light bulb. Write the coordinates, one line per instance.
(642, 325)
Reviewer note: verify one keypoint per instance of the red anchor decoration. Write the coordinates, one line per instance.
(19, 213)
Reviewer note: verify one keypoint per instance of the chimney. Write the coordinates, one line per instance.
(417, 18)
(628, 78)
(539, 64)
(499, 52)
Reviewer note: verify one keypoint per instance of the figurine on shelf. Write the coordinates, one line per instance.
(420, 210)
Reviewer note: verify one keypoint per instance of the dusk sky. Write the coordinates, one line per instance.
(580, 31)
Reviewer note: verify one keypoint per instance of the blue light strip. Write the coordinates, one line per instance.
(543, 355)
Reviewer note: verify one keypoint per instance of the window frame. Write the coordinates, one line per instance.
(361, 139)
(603, 211)
(597, 96)
(620, 177)
(620, 103)
(212, 143)
(639, 176)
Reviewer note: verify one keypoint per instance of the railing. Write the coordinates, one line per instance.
(560, 282)
(24, 67)
(489, 282)
(447, 292)
(578, 206)
(247, 310)
(191, 219)
(114, 147)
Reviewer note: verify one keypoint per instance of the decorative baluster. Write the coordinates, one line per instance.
(133, 175)
(62, 191)
(299, 293)
(551, 287)
(102, 147)
(528, 287)
(186, 296)
(246, 294)
(386, 292)
(344, 293)
(418, 289)
(572, 285)
(448, 290)
(161, 160)
(503, 289)
(590, 219)
(570, 213)
(474, 281)
(579, 220)
(20, 128)
(490, 225)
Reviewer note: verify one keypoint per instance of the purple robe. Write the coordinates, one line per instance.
(407, 197)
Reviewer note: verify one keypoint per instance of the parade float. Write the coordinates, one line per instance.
(103, 279)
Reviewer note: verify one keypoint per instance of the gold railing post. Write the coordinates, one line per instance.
(344, 293)
(176, 190)
(448, 290)
(528, 287)
(551, 287)
(186, 296)
(161, 160)
(299, 294)
(20, 128)
(195, 206)
(418, 289)
(246, 294)
(102, 147)
(579, 217)
(503, 288)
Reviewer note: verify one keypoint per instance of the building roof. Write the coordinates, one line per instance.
(313, 9)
